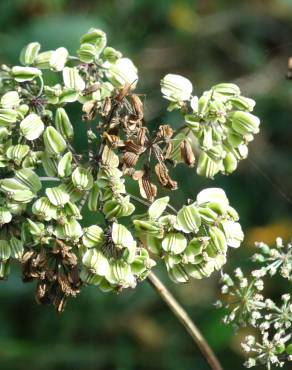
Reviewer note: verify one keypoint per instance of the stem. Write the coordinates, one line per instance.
(83, 200)
(49, 179)
(186, 321)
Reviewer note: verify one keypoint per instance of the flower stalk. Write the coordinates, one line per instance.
(186, 321)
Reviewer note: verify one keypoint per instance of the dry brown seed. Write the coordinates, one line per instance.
(107, 106)
(147, 189)
(130, 159)
(164, 178)
(109, 158)
(131, 146)
(165, 131)
(90, 110)
(137, 105)
(187, 153)
(113, 140)
(141, 136)
(168, 150)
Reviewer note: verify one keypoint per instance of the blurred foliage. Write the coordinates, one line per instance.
(247, 42)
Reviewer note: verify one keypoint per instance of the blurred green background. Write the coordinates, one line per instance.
(247, 42)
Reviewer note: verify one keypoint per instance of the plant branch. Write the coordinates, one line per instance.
(186, 321)
(49, 179)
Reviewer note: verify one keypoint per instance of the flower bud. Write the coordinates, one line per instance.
(123, 73)
(5, 216)
(59, 59)
(178, 274)
(10, 100)
(7, 117)
(228, 89)
(5, 251)
(174, 243)
(86, 52)
(29, 53)
(54, 142)
(72, 79)
(189, 219)
(17, 153)
(158, 207)
(96, 262)
(207, 167)
(82, 179)
(63, 124)
(176, 88)
(16, 247)
(93, 237)
(71, 230)
(22, 74)
(65, 165)
(32, 126)
(93, 199)
(95, 37)
(42, 60)
(29, 179)
(245, 123)
(57, 196)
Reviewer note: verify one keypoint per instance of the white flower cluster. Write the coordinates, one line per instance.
(247, 305)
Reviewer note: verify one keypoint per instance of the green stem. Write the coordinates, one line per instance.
(48, 178)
